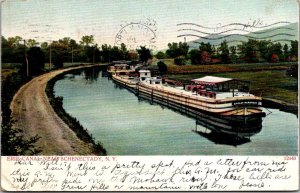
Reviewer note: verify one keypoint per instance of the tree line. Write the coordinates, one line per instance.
(252, 51)
(16, 50)
(67, 50)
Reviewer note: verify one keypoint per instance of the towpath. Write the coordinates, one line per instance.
(35, 116)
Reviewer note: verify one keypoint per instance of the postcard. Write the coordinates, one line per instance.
(131, 95)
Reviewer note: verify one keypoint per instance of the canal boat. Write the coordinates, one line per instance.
(120, 68)
(216, 95)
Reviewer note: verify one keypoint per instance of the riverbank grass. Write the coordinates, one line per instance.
(274, 84)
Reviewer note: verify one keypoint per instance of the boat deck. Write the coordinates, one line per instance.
(221, 96)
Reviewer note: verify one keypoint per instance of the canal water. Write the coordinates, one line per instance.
(129, 125)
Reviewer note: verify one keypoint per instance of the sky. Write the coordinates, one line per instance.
(153, 23)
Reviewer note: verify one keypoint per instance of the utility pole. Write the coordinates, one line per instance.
(72, 55)
(94, 55)
(27, 66)
(50, 66)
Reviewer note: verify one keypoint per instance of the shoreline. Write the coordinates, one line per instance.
(57, 105)
(281, 105)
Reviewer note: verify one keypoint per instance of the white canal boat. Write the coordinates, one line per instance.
(216, 95)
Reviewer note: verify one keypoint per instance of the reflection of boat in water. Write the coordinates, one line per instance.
(228, 131)
(219, 129)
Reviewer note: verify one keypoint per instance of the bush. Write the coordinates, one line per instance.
(13, 141)
(180, 61)
(162, 67)
(160, 55)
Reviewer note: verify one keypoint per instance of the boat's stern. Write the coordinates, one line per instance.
(246, 106)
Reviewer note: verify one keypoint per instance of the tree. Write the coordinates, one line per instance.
(132, 55)
(87, 40)
(224, 52)
(162, 67)
(59, 53)
(275, 52)
(180, 61)
(36, 60)
(263, 47)
(105, 53)
(207, 48)
(31, 43)
(233, 55)
(183, 49)
(160, 55)
(177, 49)
(116, 53)
(195, 56)
(294, 48)
(285, 52)
(205, 57)
(248, 51)
(124, 51)
(13, 50)
(144, 54)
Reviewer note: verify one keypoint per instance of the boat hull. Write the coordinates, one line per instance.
(238, 107)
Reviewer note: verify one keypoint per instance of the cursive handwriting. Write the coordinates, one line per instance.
(152, 173)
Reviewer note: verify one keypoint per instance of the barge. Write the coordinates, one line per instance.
(225, 97)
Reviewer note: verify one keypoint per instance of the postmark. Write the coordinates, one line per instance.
(137, 33)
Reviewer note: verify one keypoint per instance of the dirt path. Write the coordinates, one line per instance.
(35, 116)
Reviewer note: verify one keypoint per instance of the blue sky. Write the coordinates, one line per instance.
(47, 20)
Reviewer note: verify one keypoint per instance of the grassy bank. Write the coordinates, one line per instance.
(220, 68)
(73, 123)
(268, 80)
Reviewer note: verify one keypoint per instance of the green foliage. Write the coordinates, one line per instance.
(14, 143)
(194, 55)
(207, 47)
(224, 52)
(67, 50)
(160, 55)
(36, 60)
(233, 54)
(285, 52)
(162, 67)
(87, 40)
(177, 49)
(12, 139)
(144, 54)
(294, 48)
(180, 61)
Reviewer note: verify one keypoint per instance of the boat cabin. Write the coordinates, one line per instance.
(145, 76)
(218, 87)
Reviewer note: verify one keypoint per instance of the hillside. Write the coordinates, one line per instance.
(283, 34)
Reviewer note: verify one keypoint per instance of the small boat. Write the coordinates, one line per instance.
(211, 94)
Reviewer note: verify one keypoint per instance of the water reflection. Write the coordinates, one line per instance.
(220, 130)
(91, 74)
(228, 132)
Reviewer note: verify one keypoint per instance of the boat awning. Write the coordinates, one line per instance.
(211, 80)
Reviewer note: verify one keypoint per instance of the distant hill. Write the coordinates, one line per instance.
(283, 34)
